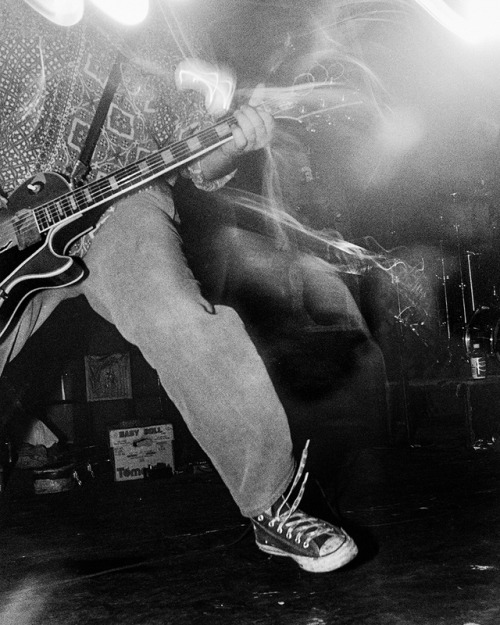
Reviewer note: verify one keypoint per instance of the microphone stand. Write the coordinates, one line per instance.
(471, 281)
(462, 283)
(444, 278)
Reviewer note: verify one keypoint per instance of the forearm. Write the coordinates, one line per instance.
(252, 132)
(218, 163)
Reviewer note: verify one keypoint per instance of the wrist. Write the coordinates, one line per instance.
(218, 163)
(230, 152)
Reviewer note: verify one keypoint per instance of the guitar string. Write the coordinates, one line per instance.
(133, 173)
(128, 175)
(53, 208)
(26, 222)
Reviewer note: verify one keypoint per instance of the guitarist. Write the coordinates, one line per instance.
(54, 64)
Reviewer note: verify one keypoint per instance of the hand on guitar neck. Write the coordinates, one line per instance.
(253, 131)
(252, 127)
(43, 215)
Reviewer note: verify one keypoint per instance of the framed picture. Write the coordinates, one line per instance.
(108, 377)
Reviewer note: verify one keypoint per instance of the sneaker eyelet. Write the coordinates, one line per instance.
(297, 540)
(289, 535)
(280, 530)
(260, 517)
(271, 523)
(306, 544)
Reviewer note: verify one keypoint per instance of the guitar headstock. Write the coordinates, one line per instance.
(296, 102)
(302, 101)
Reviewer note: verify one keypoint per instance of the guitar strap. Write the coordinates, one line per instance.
(82, 166)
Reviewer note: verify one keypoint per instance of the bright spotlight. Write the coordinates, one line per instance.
(483, 17)
(478, 20)
(127, 12)
(61, 12)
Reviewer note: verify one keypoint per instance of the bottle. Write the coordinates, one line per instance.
(477, 362)
(495, 299)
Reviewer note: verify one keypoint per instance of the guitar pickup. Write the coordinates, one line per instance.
(25, 229)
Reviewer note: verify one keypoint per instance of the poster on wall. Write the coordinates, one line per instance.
(108, 377)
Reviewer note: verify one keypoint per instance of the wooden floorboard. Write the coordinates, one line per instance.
(176, 551)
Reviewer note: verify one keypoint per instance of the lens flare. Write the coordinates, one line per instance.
(477, 22)
(128, 12)
(216, 84)
(61, 12)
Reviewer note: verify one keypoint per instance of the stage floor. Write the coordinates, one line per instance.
(176, 551)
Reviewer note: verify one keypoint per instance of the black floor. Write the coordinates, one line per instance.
(176, 551)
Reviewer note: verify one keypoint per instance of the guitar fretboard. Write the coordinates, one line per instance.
(132, 176)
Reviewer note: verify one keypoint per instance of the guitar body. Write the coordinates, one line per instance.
(43, 264)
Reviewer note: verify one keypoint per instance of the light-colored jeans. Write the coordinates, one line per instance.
(139, 281)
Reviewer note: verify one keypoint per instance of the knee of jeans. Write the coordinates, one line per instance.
(186, 318)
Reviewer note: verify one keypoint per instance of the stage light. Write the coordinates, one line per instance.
(483, 17)
(127, 12)
(215, 83)
(476, 22)
(70, 12)
(61, 12)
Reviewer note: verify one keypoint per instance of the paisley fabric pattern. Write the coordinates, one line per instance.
(51, 80)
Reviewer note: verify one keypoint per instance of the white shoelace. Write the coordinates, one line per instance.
(292, 520)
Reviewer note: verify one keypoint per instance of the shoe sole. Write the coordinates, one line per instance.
(324, 564)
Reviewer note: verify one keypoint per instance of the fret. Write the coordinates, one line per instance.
(221, 131)
(208, 138)
(121, 176)
(106, 190)
(121, 181)
(50, 214)
(98, 196)
(91, 193)
(194, 144)
(68, 205)
(101, 192)
(59, 210)
(87, 194)
(42, 217)
(167, 157)
(74, 206)
(179, 150)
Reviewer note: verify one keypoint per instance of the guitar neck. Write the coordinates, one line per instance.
(132, 176)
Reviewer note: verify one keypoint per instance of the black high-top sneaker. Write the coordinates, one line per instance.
(284, 530)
